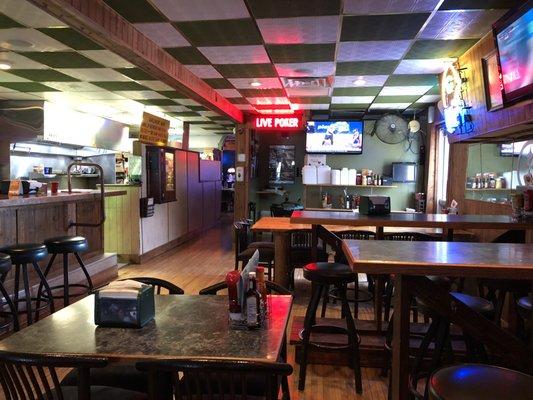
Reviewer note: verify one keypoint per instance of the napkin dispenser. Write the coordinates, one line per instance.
(374, 205)
(124, 304)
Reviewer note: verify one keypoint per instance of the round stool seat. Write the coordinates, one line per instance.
(478, 381)
(26, 253)
(329, 273)
(5, 264)
(66, 244)
(478, 304)
(524, 307)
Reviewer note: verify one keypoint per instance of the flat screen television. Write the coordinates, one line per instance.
(404, 172)
(345, 137)
(513, 34)
(511, 149)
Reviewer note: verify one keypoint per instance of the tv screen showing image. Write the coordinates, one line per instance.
(514, 40)
(511, 149)
(334, 137)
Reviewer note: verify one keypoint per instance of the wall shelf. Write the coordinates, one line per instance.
(489, 190)
(272, 192)
(358, 186)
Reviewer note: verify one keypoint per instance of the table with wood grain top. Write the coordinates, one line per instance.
(185, 326)
(410, 262)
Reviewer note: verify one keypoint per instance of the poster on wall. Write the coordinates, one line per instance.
(492, 82)
(154, 130)
(281, 164)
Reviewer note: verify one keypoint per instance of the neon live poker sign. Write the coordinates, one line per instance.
(278, 123)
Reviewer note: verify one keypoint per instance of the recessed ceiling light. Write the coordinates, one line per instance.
(255, 84)
(359, 82)
(5, 65)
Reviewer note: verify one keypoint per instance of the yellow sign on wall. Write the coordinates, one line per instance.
(154, 130)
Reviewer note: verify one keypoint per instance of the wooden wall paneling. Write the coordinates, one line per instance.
(40, 222)
(210, 170)
(242, 143)
(155, 228)
(194, 192)
(90, 212)
(218, 200)
(8, 226)
(209, 189)
(181, 220)
(431, 169)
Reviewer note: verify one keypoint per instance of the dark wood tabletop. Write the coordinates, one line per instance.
(415, 220)
(483, 260)
(184, 326)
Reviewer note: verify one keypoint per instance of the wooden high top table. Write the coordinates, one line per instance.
(412, 261)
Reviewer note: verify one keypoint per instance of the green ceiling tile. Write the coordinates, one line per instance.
(136, 10)
(349, 106)
(427, 49)
(62, 59)
(311, 100)
(293, 8)
(229, 32)
(357, 91)
(412, 80)
(219, 83)
(262, 92)
(71, 38)
(434, 90)
(214, 128)
(238, 100)
(27, 87)
(6, 22)
(187, 55)
(396, 99)
(366, 68)
(219, 118)
(247, 70)
(198, 122)
(171, 94)
(479, 4)
(197, 108)
(295, 53)
(117, 86)
(136, 74)
(184, 114)
(42, 75)
(158, 102)
(382, 27)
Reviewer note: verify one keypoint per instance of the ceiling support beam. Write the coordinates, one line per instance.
(103, 25)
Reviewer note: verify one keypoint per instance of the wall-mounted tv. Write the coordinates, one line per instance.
(514, 36)
(404, 172)
(511, 149)
(345, 137)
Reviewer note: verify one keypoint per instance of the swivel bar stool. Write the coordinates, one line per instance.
(12, 315)
(66, 245)
(22, 255)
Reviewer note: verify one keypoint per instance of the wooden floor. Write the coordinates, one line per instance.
(206, 260)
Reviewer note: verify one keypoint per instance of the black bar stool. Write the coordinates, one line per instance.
(66, 245)
(5, 267)
(479, 381)
(22, 255)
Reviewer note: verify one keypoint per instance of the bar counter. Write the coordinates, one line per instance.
(62, 197)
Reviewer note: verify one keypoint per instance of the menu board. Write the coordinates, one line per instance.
(154, 130)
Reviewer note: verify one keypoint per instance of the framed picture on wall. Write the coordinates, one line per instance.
(492, 82)
(281, 164)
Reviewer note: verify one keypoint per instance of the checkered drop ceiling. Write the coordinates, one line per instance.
(377, 54)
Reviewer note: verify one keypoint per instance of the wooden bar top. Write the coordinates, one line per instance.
(414, 220)
(61, 197)
(461, 259)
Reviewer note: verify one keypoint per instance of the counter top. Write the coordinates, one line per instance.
(61, 197)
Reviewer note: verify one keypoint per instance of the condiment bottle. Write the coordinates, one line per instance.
(232, 280)
(261, 286)
(253, 303)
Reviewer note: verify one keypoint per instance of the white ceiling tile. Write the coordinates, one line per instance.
(460, 24)
(156, 85)
(175, 108)
(127, 105)
(370, 80)
(18, 61)
(140, 95)
(352, 99)
(229, 93)
(162, 33)
(372, 50)
(268, 100)
(6, 77)
(429, 98)
(106, 58)
(95, 74)
(431, 66)
(310, 106)
(313, 69)
(102, 95)
(38, 41)
(204, 71)
(266, 83)
(404, 90)
(323, 29)
(187, 102)
(200, 10)
(312, 91)
(389, 106)
(235, 54)
(364, 7)
(208, 113)
(187, 119)
(29, 15)
(74, 86)
(58, 96)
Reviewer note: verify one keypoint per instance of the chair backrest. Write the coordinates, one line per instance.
(334, 242)
(240, 234)
(218, 379)
(410, 236)
(301, 239)
(159, 284)
(272, 288)
(28, 377)
(356, 235)
(512, 236)
(277, 210)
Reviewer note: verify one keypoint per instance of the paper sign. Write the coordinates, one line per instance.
(154, 130)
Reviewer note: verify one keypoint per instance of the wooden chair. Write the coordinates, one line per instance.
(300, 252)
(29, 377)
(219, 379)
(158, 284)
(272, 288)
(244, 249)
